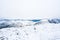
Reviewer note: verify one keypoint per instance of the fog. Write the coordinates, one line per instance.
(29, 9)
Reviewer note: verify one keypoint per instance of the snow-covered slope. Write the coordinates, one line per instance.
(30, 29)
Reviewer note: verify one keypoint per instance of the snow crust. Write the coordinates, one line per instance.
(29, 30)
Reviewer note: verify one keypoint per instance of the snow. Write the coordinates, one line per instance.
(26, 30)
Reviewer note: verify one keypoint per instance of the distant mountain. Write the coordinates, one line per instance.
(7, 23)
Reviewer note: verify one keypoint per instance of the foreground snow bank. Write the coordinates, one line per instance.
(29, 30)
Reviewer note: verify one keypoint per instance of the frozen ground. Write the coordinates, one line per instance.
(30, 30)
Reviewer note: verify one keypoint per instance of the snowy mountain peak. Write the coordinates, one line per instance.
(4, 23)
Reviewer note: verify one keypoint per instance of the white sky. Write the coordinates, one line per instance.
(29, 9)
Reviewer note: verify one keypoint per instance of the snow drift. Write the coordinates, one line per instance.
(36, 29)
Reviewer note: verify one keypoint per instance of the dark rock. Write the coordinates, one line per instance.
(3, 38)
(56, 21)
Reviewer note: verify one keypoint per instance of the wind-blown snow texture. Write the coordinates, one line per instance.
(36, 29)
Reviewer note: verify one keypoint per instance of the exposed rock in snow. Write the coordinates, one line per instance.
(54, 21)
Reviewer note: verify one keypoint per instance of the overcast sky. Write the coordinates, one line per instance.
(29, 9)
